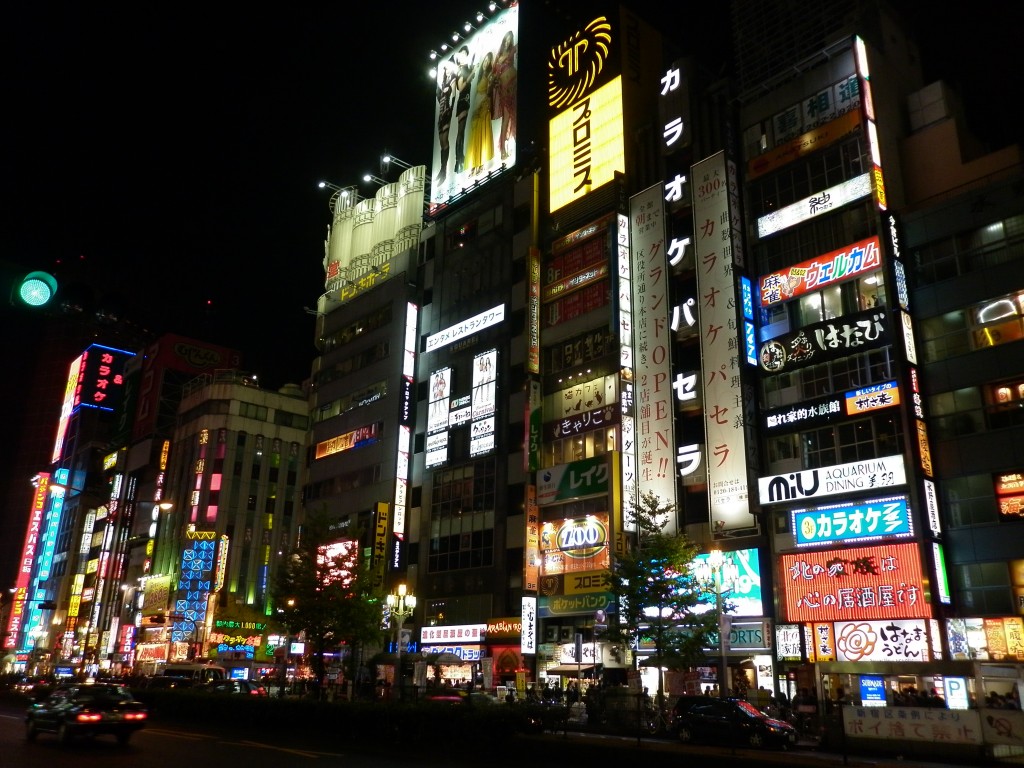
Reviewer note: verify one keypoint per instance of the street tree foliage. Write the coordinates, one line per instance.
(657, 592)
(321, 591)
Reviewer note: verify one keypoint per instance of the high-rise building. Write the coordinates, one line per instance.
(881, 280)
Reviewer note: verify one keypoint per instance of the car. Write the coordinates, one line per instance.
(32, 685)
(83, 709)
(460, 696)
(734, 721)
(246, 687)
(167, 681)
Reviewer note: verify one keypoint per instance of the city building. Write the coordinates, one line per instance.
(234, 475)
(884, 516)
(787, 303)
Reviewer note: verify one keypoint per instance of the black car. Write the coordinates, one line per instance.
(169, 681)
(734, 721)
(245, 687)
(84, 709)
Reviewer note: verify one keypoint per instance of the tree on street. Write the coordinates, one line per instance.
(657, 592)
(321, 591)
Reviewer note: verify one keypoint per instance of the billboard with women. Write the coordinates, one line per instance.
(475, 113)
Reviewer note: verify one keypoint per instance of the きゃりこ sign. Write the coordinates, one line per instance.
(883, 582)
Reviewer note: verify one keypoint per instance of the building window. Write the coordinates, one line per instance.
(583, 446)
(798, 180)
(979, 248)
(842, 443)
(462, 504)
(983, 589)
(364, 396)
(837, 376)
(970, 500)
(379, 318)
(253, 411)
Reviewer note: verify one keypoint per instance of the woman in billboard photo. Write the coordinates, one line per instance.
(463, 89)
(480, 141)
(504, 95)
(445, 109)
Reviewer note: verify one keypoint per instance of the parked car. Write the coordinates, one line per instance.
(735, 721)
(83, 709)
(245, 687)
(169, 681)
(461, 696)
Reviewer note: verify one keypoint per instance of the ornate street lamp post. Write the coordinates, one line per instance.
(401, 604)
(724, 572)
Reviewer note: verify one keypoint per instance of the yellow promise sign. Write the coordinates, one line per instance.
(587, 146)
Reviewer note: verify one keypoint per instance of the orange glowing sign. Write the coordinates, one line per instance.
(883, 582)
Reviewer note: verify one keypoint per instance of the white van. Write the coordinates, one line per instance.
(197, 673)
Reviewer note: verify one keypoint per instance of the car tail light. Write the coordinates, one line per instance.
(134, 715)
(88, 717)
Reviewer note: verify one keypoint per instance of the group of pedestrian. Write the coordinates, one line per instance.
(1010, 700)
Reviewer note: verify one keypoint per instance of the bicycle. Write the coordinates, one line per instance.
(657, 720)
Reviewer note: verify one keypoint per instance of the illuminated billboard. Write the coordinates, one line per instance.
(822, 271)
(336, 562)
(466, 328)
(718, 245)
(822, 202)
(852, 477)
(438, 404)
(744, 588)
(102, 382)
(587, 145)
(477, 409)
(357, 438)
(575, 544)
(475, 113)
(808, 413)
(882, 582)
(96, 379)
(827, 340)
(846, 523)
(70, 387)
(195, 583)
(28, 556)
(905, 640)
(652, 342)
(578, 480)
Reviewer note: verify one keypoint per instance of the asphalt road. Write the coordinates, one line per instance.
(174, 746)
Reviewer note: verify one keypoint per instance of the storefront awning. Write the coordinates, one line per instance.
(570, 670)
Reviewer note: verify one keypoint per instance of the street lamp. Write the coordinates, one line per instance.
(401, 604)
(723, 571)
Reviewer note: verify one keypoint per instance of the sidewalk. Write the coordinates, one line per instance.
(806, 753)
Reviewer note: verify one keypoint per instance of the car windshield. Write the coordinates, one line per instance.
(107, 694)
(748, 709)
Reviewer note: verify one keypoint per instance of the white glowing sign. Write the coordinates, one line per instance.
(466, 328)
(815, 205)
